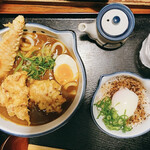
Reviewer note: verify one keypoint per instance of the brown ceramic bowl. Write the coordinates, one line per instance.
(15, 143)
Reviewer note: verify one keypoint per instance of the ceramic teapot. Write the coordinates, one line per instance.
(112, 27)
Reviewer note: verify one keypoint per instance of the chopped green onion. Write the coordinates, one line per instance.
(19, 66)
(35, 66)
(111, 118)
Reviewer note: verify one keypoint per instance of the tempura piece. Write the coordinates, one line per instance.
(46, 94)
(14, 95)
(10, 45)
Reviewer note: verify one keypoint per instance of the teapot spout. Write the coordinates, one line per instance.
(90, 29)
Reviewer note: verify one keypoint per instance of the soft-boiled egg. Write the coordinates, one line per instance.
(65, 69)
(125, 101)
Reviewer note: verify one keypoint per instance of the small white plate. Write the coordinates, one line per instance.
(138, 130)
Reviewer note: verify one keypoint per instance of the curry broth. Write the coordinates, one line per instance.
(37, 116)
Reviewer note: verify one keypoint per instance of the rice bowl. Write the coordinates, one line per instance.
(138, 128)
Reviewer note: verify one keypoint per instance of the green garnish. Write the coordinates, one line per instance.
(35, 66)
(19, 66)
(111, 118)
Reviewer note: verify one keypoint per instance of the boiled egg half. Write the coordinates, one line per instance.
(65, 69)
(125, 102)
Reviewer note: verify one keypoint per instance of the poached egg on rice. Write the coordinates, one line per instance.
(125, 101)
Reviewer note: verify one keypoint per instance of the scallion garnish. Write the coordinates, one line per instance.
(35, 66)
(110, 116)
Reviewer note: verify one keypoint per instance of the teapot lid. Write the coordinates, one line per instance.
(115, 22)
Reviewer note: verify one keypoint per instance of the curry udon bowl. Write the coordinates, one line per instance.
(69, 40)
(108, 81)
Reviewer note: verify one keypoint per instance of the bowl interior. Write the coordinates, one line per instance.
(69, 39)
(137, 130)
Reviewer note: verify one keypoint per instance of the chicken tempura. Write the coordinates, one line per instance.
(10, 45)
(46, 94)
(14, 95)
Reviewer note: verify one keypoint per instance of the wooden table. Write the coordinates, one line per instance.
(65, 7)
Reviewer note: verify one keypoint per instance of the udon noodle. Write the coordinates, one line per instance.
(47, 98)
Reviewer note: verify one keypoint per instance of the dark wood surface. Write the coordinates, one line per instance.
(80, 133)
(66, 6)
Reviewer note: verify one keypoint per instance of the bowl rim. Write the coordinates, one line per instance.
(84, 79)
(94, 96)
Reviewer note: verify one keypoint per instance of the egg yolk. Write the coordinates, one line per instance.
(63, 74)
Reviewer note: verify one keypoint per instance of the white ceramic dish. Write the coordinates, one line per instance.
(69, 39)
(141, 129)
